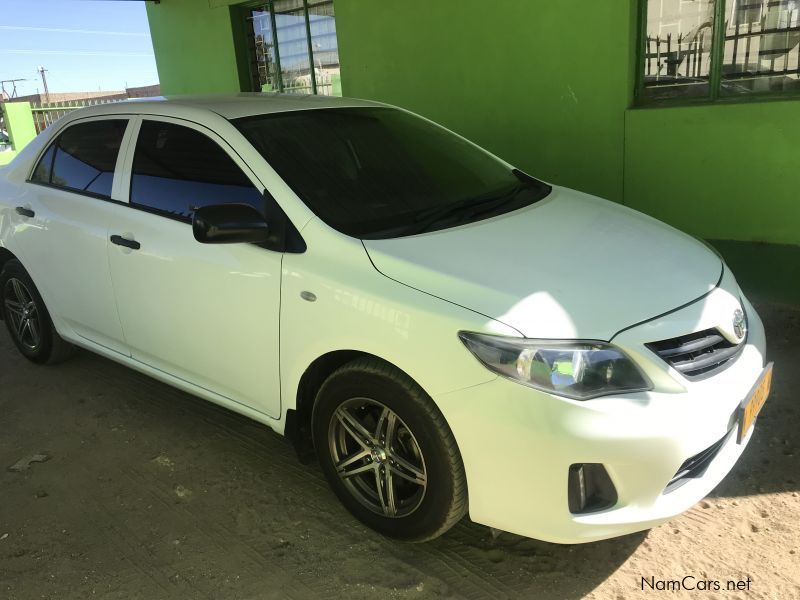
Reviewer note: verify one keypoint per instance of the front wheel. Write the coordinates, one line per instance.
(388, 452)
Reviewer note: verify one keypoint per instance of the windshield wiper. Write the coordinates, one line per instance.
(468, 207)
(472, 207)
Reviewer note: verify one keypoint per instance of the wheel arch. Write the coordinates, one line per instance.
(5, 256)
(298, 419)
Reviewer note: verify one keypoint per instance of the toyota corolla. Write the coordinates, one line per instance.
(446, 332)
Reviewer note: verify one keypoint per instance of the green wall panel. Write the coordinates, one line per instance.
(725, 171)
(18, 119)
(545, 85)
(542, 84)
(194, 48)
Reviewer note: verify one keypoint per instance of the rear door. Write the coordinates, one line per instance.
(63, 215)
(207, 314)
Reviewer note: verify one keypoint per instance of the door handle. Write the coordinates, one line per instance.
(121, 241)
(25, 212)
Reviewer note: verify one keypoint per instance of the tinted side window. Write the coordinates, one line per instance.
(176, 169)
(41, 174)
(85, 157)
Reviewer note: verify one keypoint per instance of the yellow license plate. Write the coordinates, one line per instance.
(750, 406)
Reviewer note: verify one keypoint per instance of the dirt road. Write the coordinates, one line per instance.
(150, 493)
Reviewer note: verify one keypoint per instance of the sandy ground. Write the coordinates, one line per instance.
(149, 493)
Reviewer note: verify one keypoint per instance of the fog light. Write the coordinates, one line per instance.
(589, 488)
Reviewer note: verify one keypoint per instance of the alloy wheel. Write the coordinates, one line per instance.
(23, 314)
(377, 457)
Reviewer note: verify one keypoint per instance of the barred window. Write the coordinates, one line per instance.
(710, 49)
(293, 48)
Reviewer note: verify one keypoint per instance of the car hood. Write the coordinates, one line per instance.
(569, 266)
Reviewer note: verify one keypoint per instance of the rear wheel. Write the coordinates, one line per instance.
(388, 453)
(27, 319)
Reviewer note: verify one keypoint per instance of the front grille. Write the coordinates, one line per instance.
(695, 466)
(697, 354)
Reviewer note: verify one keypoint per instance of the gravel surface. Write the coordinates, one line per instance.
(125, 488)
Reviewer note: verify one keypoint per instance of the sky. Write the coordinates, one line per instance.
(85, 45)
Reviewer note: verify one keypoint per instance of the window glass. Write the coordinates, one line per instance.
(84, 157)
(762, 47)
(322, 24)
(263, 66)
(176, 169)
(381, 172)
(720, 48)
(41, 174)
(284, 57)
(677, 48)
(290, 25)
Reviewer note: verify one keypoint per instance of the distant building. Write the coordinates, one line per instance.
(59, 97)
(144, 91)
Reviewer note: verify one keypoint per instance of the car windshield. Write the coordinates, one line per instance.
(380, 172)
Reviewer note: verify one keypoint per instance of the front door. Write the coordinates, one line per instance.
(207, 314)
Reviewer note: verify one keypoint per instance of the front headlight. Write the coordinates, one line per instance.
(576, 369)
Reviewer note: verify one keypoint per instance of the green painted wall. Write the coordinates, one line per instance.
(543, 84)
(547, 86)
(725, 172)
(194, 47)
(19, 123)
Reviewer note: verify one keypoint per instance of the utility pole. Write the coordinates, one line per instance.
(42, 72)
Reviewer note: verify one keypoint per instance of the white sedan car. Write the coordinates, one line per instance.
(446, 332)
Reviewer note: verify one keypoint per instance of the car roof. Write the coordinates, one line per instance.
(230, 106)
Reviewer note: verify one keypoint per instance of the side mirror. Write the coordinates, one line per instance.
(229, 224)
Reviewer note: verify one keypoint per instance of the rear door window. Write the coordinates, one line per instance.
(177, 169)
(83, 158)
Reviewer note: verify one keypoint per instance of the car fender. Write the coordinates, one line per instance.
(333, 299)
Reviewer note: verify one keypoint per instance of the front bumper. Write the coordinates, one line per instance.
(517, 443)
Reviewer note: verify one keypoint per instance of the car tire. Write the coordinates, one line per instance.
(399, 468)
(27, 319)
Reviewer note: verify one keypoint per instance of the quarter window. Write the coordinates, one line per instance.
(41, 174)
(83, 158)
(177, 169)
(712, 49)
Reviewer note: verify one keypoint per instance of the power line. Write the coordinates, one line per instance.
(72, 52)
(61, 30)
